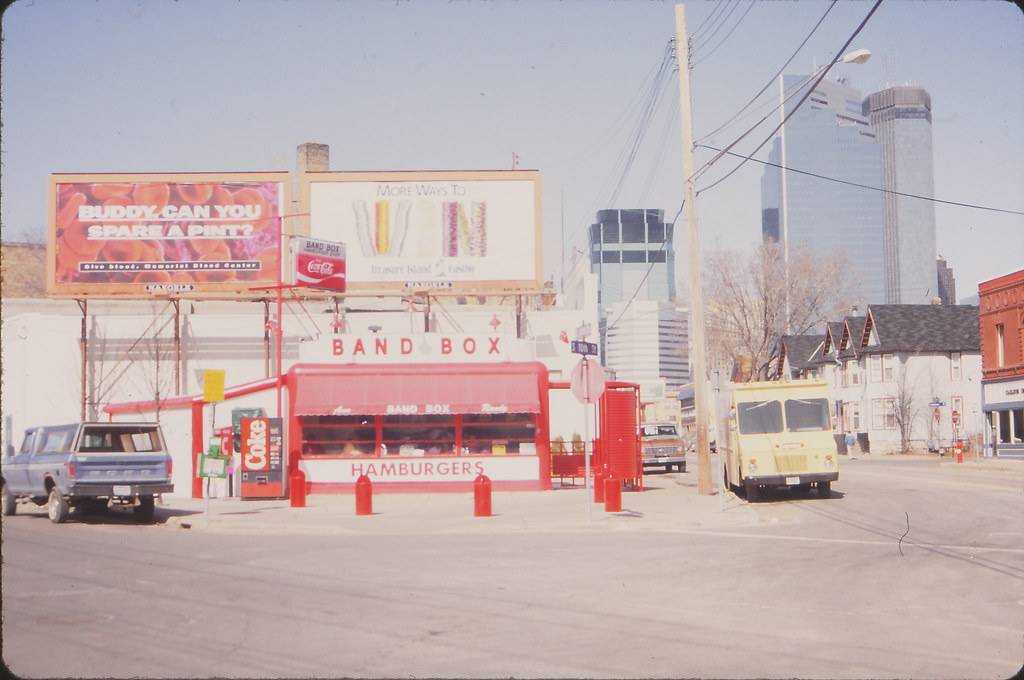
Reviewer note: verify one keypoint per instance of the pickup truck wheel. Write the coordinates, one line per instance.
(144, 511)
(10, 503)
(57, 507)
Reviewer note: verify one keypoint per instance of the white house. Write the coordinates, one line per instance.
(903, 377)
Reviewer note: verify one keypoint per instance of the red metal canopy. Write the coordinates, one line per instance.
(416, 389)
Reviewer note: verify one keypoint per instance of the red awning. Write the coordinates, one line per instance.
(416, 389)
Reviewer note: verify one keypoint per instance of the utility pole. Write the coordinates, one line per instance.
(697, 349)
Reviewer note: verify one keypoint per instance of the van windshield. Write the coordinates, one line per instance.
(807, 415)
(660, 431)
(759, 417)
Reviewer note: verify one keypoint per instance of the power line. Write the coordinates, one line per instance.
(771, 80)
(727, 35)
(958, 204)
(807, 94)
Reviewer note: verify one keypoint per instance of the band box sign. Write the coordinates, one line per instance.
(452, 230)
(320, 264)
(140, 235)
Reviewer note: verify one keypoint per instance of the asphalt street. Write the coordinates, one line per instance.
(914, 569)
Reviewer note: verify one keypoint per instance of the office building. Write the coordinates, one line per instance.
(643, 333)
(645, 340)
(631, 251)
(831, 154)
(902, 119)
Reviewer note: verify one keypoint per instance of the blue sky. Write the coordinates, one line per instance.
(228, 85)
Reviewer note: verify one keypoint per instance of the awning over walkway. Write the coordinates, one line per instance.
(416, 389)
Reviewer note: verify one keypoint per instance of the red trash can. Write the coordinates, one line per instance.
(482, 496)
(612, 494)
(364, 496)
(599, 477)
(297, 488)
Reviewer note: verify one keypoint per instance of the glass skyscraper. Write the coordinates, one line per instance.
(631, 252)
(830, 147)
(902, 119)
(644, 335)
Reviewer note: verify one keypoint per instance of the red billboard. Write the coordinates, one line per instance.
(185, 234)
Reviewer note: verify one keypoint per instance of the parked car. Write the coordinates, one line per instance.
(88, 466)
(661, 444)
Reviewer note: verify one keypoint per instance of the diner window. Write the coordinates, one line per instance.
(418, 435)
(955, 371)
(344, 435)
(499, 433)
(883, 414)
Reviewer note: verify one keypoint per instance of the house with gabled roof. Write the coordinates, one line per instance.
(921, 370)
(799, 356)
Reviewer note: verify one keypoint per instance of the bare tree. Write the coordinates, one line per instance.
(156, 356)
(905, 406)
(748, 309)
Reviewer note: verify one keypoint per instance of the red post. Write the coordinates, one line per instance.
(612, 494)
(959, 452)
(297, 488)
(364, 496)
(482, 496)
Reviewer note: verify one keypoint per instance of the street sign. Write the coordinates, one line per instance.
(583, 347)
(956, 417)
(936, 404)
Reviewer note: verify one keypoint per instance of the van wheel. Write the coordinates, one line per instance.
(753, 492)
(824, 489)
(57, 507)
(144, 510)
(10, 503)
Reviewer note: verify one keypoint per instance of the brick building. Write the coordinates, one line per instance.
(1001, 304)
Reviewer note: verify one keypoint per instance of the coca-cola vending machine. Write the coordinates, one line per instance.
(262, 460)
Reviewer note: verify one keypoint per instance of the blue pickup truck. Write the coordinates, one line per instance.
(88, 466)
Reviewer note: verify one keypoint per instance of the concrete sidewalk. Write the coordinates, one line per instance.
(669, 502)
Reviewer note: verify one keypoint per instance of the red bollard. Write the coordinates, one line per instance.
(297, 488)
(364, 496)
(612, 494)
(599, 477)
(959, 452)
(482, 496)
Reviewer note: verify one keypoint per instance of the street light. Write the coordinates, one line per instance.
(854, 57)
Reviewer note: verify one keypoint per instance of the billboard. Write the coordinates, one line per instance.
(185, 234)
(431, 230)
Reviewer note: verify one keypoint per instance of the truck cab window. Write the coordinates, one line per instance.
(759, 417)
(807, 415)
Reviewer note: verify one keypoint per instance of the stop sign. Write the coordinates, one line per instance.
(956, 417)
